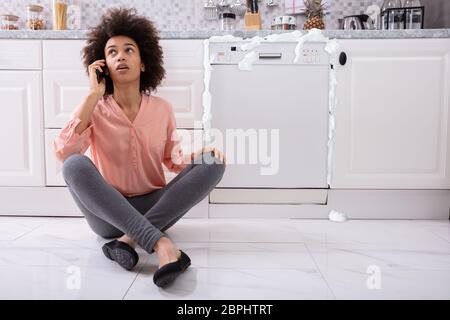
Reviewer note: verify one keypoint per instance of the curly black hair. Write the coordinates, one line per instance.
(126, 22)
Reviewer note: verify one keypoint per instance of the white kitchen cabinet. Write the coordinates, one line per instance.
(191, 141)
(66, 81)
(392, 117)
(21, 129)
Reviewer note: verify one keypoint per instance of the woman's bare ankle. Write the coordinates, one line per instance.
(163, 245)
(166, 250)
(127, 240)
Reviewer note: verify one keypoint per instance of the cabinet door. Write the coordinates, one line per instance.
(63, 92)
(21, 129)
(183, 85)
(66, 82)
(392, 115)
(183, 88)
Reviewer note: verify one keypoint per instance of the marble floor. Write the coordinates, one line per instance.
(60, 258)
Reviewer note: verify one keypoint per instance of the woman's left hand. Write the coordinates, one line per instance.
(217, 153)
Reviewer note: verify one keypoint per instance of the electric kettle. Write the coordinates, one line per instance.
(357, 22)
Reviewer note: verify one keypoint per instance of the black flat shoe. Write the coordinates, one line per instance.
(169, 272)
(122, 253)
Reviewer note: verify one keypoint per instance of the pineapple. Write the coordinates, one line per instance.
(314, 13)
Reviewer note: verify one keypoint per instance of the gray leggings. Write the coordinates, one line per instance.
(143, 218)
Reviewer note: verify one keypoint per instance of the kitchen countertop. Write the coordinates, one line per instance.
(204, 34)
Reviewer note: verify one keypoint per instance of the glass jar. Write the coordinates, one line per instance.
(74, 15)
(35, 20)
(392, 19)
(9, 22)
(288, 23)
(414, 16)
(228, 21)
(60, 14)
(277, 23)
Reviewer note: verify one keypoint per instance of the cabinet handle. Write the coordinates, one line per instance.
(343, 58)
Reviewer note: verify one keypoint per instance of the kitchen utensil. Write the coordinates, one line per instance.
(352, 23)
(223, 5)
(210, 10)
(373, 11)
(239, 8)
(272, 4)
(252, 6)
(357, 22)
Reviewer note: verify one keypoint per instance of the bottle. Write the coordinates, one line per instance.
(414, 16)
(35, 20)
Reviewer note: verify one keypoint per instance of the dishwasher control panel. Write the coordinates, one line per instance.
(311, 53)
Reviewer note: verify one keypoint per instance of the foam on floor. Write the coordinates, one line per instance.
(336, 216)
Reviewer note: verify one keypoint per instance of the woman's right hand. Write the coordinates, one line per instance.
(97, 88)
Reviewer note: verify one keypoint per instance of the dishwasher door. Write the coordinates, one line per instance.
(292, 99)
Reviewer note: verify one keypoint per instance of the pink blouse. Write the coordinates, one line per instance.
(129, 155)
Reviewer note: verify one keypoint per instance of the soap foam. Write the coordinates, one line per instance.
(336, 216)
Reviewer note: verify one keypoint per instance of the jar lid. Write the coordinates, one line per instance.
(35, 7)
(228, 15)
(10, 17)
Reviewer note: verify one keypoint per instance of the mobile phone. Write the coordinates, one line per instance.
(101, 75)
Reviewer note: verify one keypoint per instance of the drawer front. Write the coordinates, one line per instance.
(183, 53)
(64, 90)
(62, 54)
(66, 82)
(20, 55)
(66, 54)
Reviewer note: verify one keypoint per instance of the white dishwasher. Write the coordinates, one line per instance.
(275, 117)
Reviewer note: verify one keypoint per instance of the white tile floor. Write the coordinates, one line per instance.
(60, 258)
